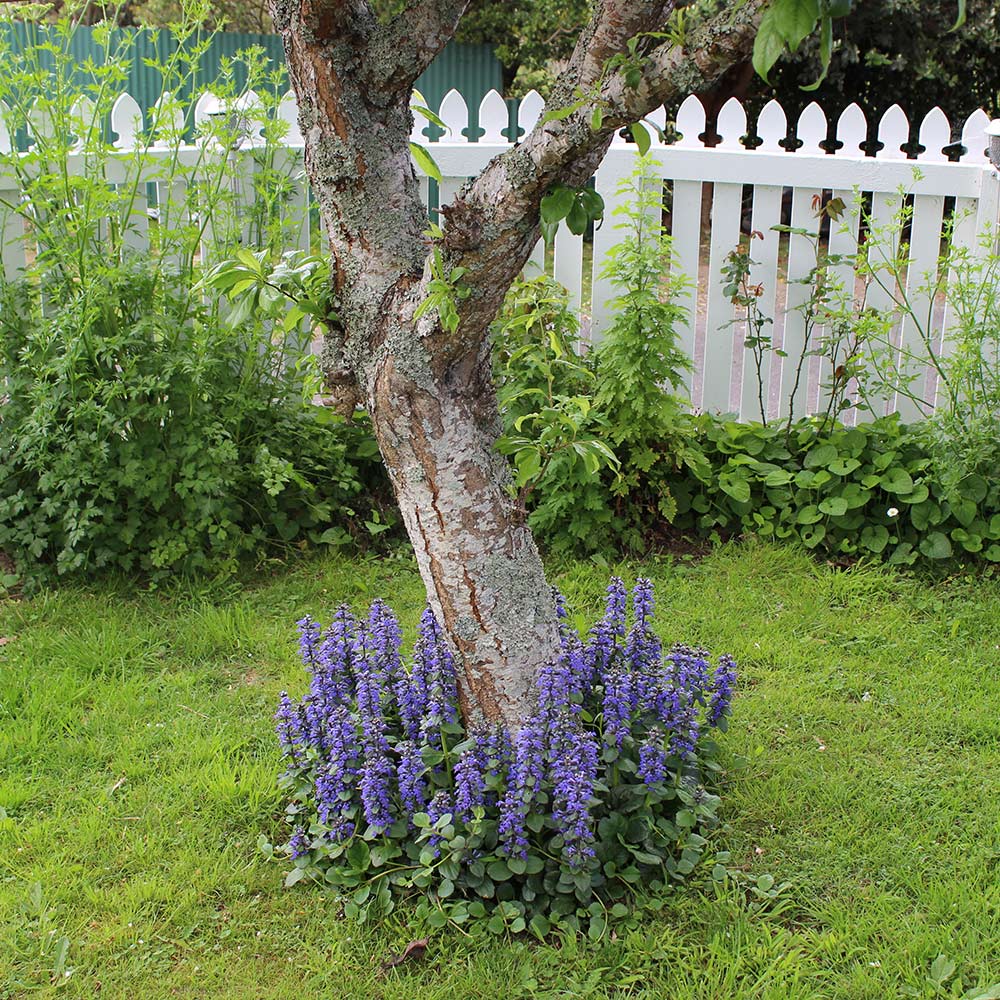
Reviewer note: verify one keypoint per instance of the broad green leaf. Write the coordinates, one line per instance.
(557, 204)
(936, 545)
(768, 45)
(425, 161)
(795, 19)
(641, 136)
(578, 218)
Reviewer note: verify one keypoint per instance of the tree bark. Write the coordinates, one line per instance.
(429, 390)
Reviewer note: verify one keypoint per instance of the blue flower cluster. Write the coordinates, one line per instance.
(380, 742)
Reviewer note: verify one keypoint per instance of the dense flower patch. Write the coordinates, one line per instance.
(606, 788)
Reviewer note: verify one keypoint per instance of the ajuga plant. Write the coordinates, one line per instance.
(606, 791)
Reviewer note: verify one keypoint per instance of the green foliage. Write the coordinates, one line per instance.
(445, 288)
(580, 207)
(848, 492)
(144, 430)
(607, 415)
(926, 492)
(140, 818)
(545, 392)
(648, 841)
(897, 51)
(142, 434)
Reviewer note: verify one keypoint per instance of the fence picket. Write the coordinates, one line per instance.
(567, 267)
(723, 343)
(493, 119)
(610, 175)
(844, 241)
(766, 213)
(801, 259)
(685, 233)
(884, 225)
(919, 321)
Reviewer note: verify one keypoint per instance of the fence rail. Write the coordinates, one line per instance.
(715, 194)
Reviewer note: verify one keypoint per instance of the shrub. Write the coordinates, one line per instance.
(607, 790)
(141, 434)
(596, 437)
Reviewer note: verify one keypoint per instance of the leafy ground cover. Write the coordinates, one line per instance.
(137, 765)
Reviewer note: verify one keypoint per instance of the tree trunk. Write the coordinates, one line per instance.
(475, 552)
(430, 393)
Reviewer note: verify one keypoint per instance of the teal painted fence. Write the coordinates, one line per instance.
(472, 70)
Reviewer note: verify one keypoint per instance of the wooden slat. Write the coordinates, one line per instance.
(766, 213)
(801, 259)
(843, 243)
(723, 342)
(686, 238)
(917, 335)
(567, 266)
(881, 294)
(964, 239)
(607, 181)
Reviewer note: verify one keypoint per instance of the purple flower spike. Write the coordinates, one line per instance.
(375, 795)
(299, 843)
(614, 609)
(723, 682)
(410, 775)
(309, 639)
(289, 727)
(652, 759)
(470, 782)
(574, 771)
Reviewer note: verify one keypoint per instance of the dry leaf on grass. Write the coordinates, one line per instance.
(411, 953)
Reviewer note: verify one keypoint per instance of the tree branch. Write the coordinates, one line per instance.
(493, 225)
(402, 49)
(324, 21)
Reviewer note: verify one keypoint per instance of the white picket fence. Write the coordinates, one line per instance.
(707, 189)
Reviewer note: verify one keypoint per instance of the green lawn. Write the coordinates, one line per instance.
(137, 766)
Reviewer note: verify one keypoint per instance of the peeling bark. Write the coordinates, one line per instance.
(430, 392)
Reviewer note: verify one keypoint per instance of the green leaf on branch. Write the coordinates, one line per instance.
(557, 203)
(425, 161)
(641, 136)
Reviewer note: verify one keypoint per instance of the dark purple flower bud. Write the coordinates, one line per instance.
(616, 708)
(685, 731)
(309, 638)
(386, 639)
(434, 695)
(298, 845)
(470, 782)
(614, 608)
(643, 601)
(439, 805)
(376, 776)
(289, 727)
(333, 671)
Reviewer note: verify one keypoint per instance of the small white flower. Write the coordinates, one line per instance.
(893, 511)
